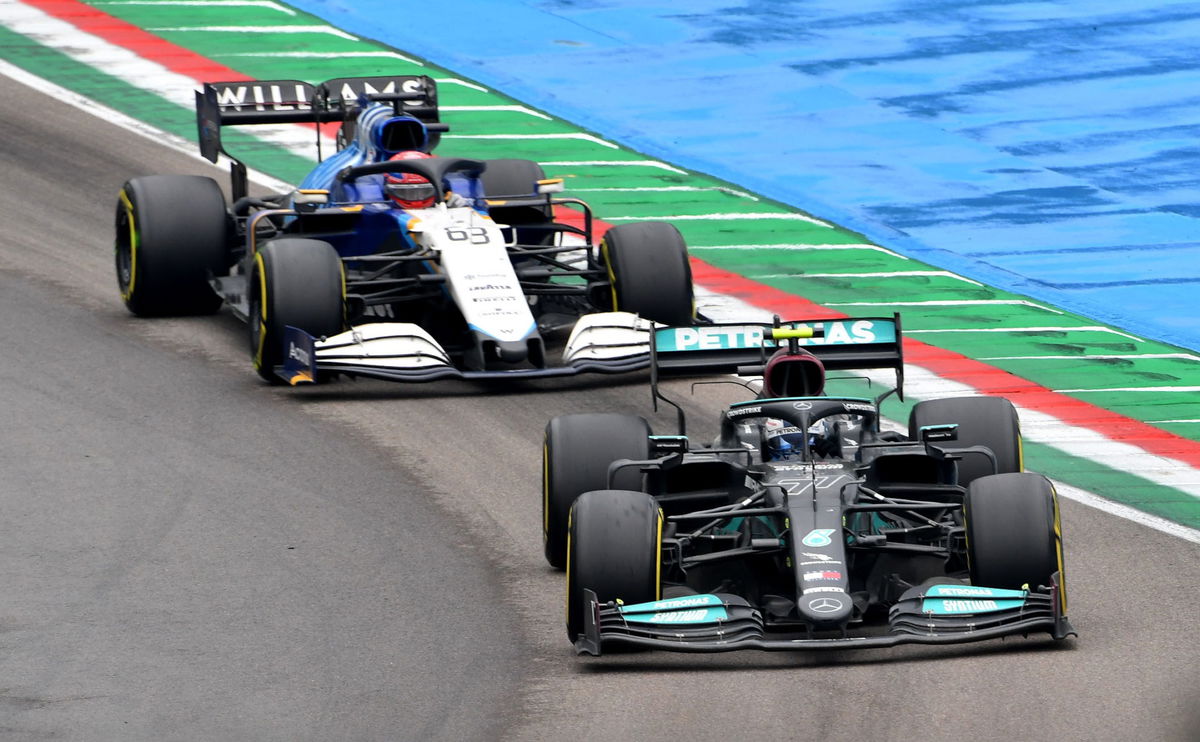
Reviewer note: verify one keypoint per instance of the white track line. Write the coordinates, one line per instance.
(945, 303)
(1080, 328)
(1184, 356)
(493, 109)
(325, 55)
(320, 29)
(1128, 513)
(579, 135)
(754, 216)
(860, 246)
(613, 163)
(879, 274)
(204, 3)
(1165, 389)
(667, 189)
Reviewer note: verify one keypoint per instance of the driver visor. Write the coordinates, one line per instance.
(411, 191)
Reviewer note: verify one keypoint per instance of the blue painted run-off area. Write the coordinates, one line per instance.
(1048, 148)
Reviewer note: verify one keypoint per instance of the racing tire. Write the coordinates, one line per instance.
(296, 282)
(1014, 533)
(649, 272)
(576, 452)
(982, 421)
(512, 177)
(172, 236)
(615, 550)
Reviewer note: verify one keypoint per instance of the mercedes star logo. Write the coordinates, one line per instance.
(826, 605)
(802, 405)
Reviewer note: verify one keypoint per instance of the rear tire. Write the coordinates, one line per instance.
(982, 421)
(294, 282)
(172, 235)
(615, 551)
(511, 177)
(575, 459)
(1014, 535)
(649, 272)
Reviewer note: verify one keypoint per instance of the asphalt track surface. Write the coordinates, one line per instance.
(190, 554)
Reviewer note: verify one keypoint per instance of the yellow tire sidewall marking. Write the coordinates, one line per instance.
(261, 268)
(127, 293)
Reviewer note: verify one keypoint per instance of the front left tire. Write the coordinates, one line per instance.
(1014, 531)
(615, 551)
(296, 282)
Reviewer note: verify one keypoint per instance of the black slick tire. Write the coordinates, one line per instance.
(982, 421)
(296, 282)
(513, 177)
(575, 457)
(1014, 533)
(649, 272)
(615, 551)
(172, 235)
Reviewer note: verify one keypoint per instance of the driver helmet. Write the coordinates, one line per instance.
(785, 440)
(409, 190)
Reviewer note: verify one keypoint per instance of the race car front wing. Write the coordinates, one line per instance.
(938, 614)
(607, 342)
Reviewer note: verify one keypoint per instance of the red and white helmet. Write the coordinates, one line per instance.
(409, 190)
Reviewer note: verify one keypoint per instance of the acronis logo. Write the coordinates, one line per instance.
(299, 354)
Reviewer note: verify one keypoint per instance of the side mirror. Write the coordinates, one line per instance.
(662, 445)
(939, 433)
(308, 199)
(550, 185)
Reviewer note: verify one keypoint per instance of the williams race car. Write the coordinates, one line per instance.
(804, 525)
(390, 262)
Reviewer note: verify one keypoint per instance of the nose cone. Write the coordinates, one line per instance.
(826, 609)
(512, 351)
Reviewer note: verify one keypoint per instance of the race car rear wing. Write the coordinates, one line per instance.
(294, 101)
(743, 348)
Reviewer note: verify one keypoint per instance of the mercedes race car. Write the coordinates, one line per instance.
(388, 261)
(805, 524)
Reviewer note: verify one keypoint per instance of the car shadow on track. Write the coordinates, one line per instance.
(346, 390)
(639, 662)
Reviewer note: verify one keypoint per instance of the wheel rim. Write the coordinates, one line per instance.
(126, 247)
